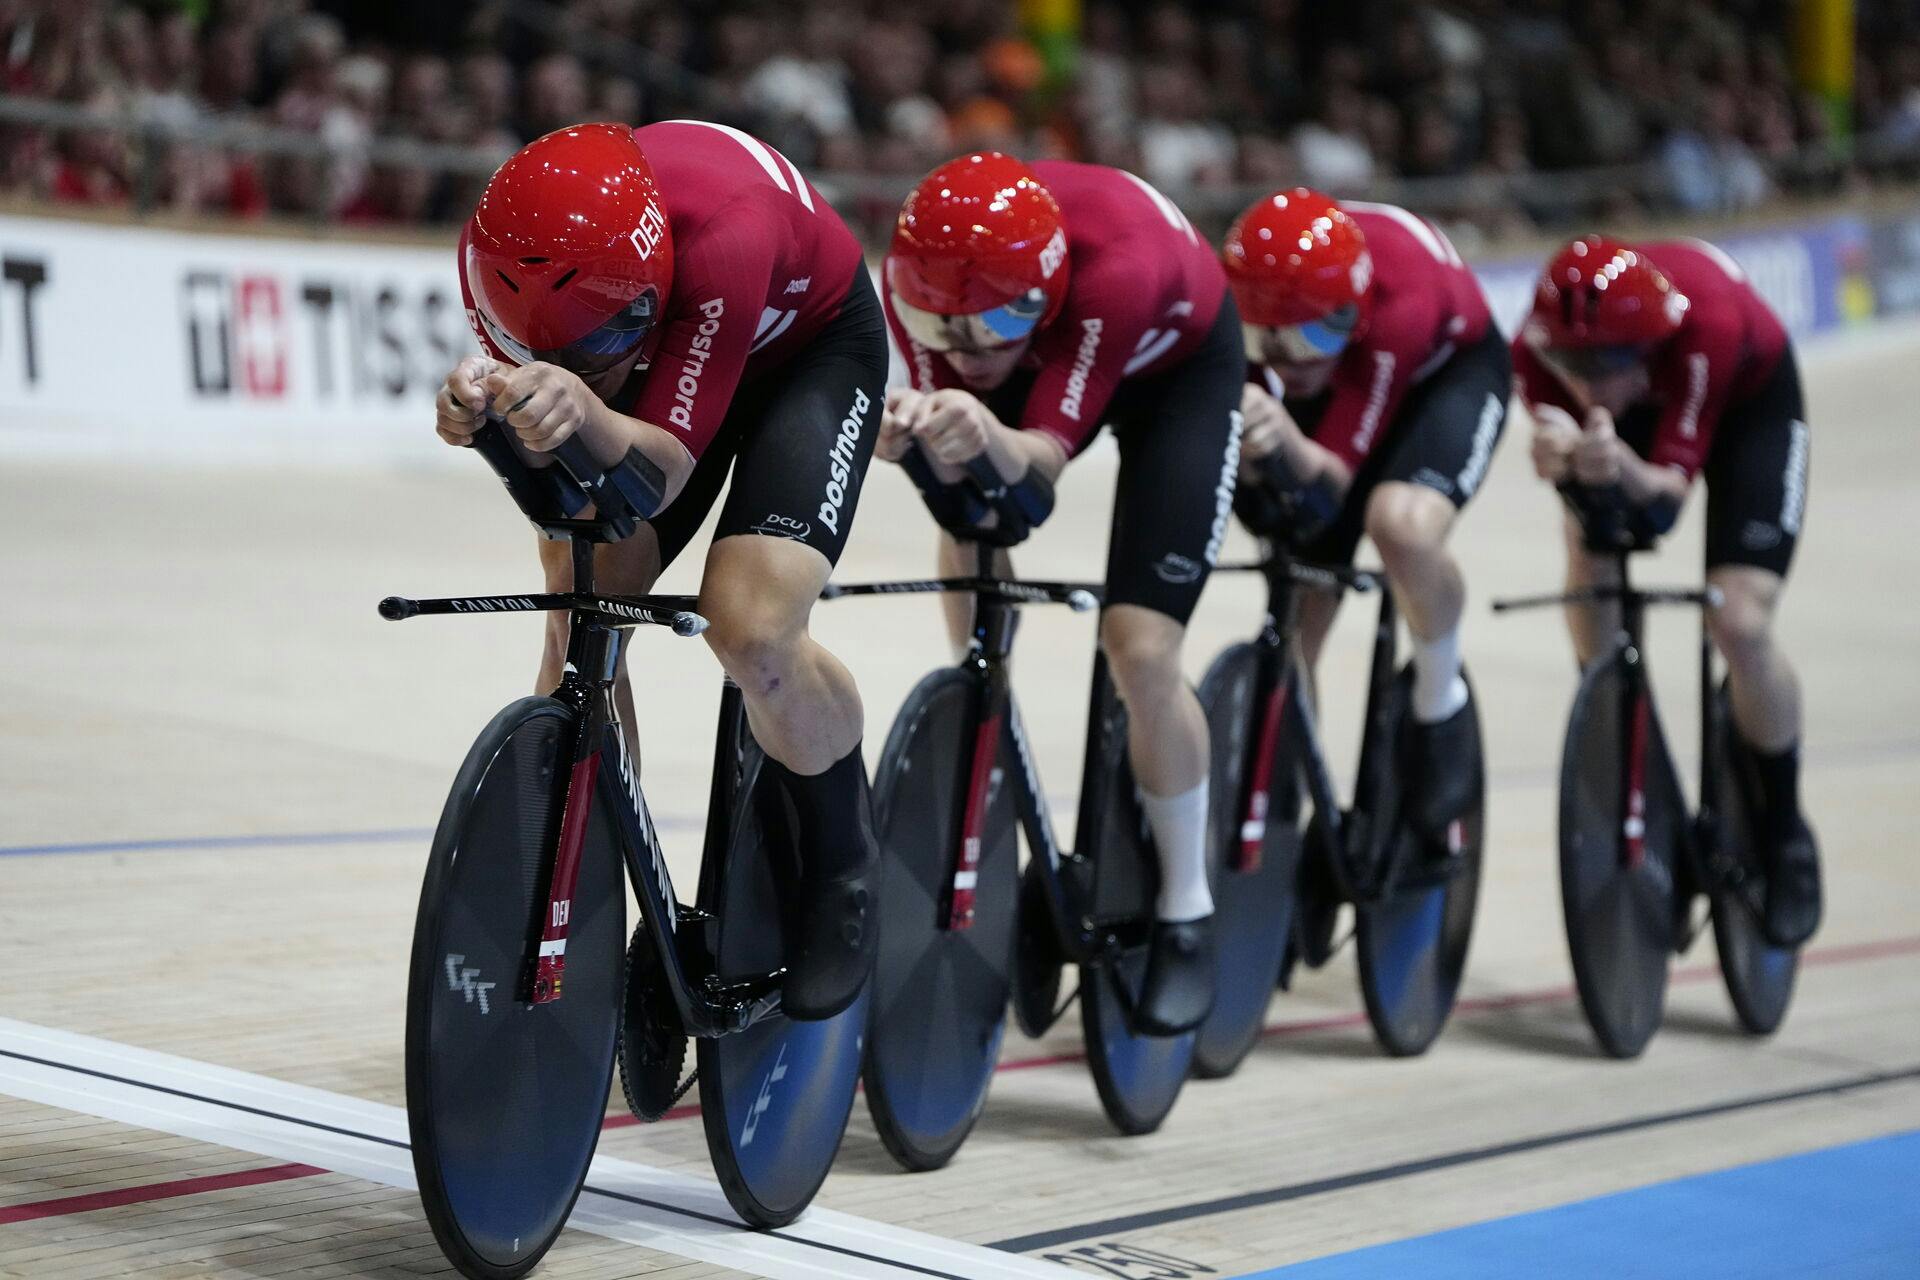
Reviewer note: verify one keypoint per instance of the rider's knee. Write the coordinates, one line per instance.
(1407, 521)
(1742, 628)
(752, 633)
(1143, 651)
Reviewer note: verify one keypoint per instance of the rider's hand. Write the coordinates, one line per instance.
(457, 409)
(1596, 456)
(1266, 429)
(896, 424)
(543, 403)
(953, 426)
(1555, 434)
(1264, 423)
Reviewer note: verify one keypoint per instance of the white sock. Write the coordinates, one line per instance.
(1179, 825)
(1438, 689)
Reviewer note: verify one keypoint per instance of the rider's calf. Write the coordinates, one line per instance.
(1169, 733)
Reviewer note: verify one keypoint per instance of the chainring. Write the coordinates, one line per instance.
(653, 1047)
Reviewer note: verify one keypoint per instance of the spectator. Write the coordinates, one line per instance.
(90, 164)
(1495, 93)
(806, 82)
(1708, 168)
(486, 86)
(1333, 148)
(556, 95)
(1180, 147)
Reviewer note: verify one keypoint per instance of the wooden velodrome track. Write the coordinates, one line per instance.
(220, 767)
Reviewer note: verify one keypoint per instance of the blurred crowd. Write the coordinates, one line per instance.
(1203, 98)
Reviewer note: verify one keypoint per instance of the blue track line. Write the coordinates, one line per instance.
(388, 835)
(289, 840)
(1844, 1213)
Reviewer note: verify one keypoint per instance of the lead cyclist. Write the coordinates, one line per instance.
(683, 300)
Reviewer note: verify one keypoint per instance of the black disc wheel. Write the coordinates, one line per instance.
(1253, 897)
(504, 1097)
(1759, 975)
(1412, 940)
(940, 985)
(1623, 832)
(1139, 1076)
(774, 1098)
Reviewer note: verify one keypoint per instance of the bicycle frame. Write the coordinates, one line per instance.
(707, 1006)
(1069, 877)
(683, 937)
(1360, 840)
(1637, 710)
(1085, 938)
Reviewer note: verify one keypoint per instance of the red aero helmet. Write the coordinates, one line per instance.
(569, 252)
(979, 233)
(1296, 256)
(1598, 292)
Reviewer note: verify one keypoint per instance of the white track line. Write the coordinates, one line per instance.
(348, 1135)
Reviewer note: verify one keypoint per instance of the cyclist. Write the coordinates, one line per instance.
(682, 299)
(1644, 366)
(1380, 386)
(1035, 303)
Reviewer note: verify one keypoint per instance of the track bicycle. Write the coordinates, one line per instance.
(1279, 884)
(1633, 858)
(963, 930)
(524, 986)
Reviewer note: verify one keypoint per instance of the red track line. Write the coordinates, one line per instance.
(153, 1191)
(1844, 953)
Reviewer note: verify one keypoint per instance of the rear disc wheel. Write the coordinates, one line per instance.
(1139, 1077)
(774, 1098)
(1412, 942)
(1759, 975)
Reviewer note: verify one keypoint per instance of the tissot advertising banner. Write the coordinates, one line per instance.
(210, 343)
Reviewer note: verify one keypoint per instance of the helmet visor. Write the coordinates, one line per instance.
(1002, 326)
(1589, 364)
(1304, 343)
(612, 341)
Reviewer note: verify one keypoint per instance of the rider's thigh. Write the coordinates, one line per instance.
(1590, 626)
(1756, 477)
(1585, 568)
(1315, 620)
(628, 567)
(1179, 438)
